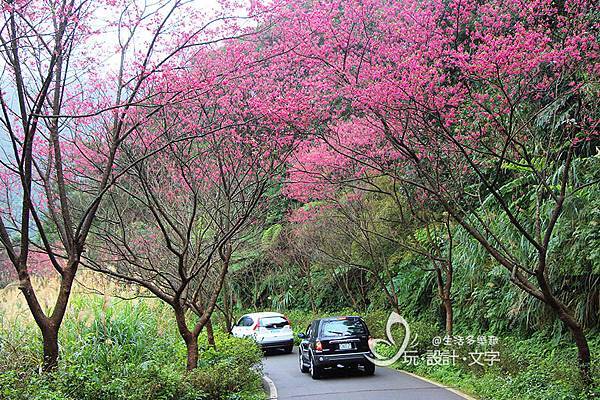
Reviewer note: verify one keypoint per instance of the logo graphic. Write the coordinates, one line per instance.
(380, 359)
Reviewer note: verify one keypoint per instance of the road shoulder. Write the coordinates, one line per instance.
(450, 389)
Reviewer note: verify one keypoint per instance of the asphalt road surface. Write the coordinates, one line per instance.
(386, 384)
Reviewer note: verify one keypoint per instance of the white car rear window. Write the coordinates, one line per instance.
(273, 322)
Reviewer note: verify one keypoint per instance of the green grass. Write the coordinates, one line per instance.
(125, 350)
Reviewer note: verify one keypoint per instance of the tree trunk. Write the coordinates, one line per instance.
(227, 309)
(565, 315)
(364, 285)
(50, 341)
(444, 292)
(448, 311)
(191, 344)
(583, 355)
(49, 326)
(191, 340)
(583, 349)
(228, 321)
(210, 334)
(311, 295)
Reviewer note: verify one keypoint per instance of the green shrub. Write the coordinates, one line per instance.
(221, 380)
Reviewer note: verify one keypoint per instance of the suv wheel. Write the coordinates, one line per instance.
(315, 371)
(288, 349)
(369, 368)
(303, 368)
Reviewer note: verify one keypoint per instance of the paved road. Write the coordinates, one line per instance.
(386, 384)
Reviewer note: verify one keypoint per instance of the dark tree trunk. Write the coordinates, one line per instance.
(448, 312)
(49, 325)
(190, 339)
(228, 309)
(447, 299)
(50, 341)
(583, 349)
(210, 336)
(228, 321)
(583, 355)
(564, 314)
(191, 344)
(443, 276)
(311, 294)
(364, 290)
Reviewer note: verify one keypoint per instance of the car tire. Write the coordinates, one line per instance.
(288, 349)
(303, 368)
(369, 368)
(315, 371)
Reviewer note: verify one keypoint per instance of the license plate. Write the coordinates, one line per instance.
(345, 346)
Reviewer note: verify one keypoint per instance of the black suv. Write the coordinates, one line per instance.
(335, 342)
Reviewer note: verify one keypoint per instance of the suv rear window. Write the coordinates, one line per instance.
(273, 322)
(344, 327)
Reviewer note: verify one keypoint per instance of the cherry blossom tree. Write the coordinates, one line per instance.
(78, 78)
(174, 224)
(457, 98)
(174, 220)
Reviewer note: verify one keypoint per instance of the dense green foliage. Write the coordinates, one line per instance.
(483, 296)
(122, 350)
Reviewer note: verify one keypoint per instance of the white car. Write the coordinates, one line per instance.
(271, 330)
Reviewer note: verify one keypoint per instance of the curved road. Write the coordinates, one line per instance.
(386, 384)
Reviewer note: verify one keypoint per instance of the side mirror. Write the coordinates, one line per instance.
(301, 336)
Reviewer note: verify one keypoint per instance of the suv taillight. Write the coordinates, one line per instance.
(288, 321)
(256, 326)
(318, 346)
